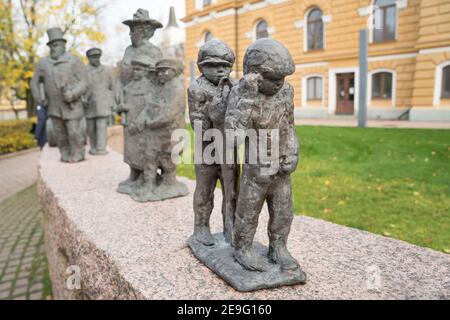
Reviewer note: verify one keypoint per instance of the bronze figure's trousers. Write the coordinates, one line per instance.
(278, 194)
(70, 138)
(97, 132)
(206, 180)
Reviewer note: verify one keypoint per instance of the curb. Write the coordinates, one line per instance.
(18, 153)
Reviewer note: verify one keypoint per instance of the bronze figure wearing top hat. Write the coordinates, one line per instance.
(64, 79)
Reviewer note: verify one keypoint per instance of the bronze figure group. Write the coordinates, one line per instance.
(149, 96)
(261, 102)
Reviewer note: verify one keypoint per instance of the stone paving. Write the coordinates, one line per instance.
(23, 263)
(18, 172)
(353, 122)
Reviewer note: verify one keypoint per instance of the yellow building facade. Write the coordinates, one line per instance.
(408, 60)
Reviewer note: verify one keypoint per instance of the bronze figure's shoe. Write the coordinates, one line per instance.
(281, 256)
(204, 236)
(101, 153)
(249, 260)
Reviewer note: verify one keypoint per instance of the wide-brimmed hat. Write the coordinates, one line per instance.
(94, 52)
(142, 17)
(55, 34)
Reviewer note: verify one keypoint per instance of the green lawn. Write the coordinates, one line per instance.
(393, 182)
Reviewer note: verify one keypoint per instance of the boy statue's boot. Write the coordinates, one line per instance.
(65, 153)
(128, 186)
(279, 254)
(144, 192)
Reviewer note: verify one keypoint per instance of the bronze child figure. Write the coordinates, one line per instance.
(264, 100)
(215, 61)
(134, 102)
(163, 114)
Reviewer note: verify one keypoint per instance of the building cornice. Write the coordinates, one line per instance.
(229, 8)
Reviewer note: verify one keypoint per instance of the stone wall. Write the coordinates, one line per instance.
(128, 250)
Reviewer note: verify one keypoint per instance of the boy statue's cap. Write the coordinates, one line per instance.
(142, 60)
(168, 64)
(94, 52)
(269, 56)
(215, 52)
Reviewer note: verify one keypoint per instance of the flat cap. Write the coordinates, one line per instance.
(94, 52)
(215, 52)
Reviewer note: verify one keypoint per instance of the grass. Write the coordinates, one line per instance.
(393, 182)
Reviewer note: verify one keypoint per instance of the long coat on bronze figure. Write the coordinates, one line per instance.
(58, 84)
(100, 102)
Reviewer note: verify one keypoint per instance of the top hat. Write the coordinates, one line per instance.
(93, 52)
(55, 34)
(142, 17)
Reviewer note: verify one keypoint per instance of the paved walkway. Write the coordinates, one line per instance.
(18, 172)
(373, 123)
(23, 264)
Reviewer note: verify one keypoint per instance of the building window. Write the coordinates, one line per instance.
(382, 85)
(261, 30)
(207, 36)
(385, 20)
(446, 83)
(206, 2)
(314, 88)
(315, 30)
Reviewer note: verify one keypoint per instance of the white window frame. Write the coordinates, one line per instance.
(252, 34)
(325, 21)
(394, 85)
(438, 83)
(399, 5)
(255, 25)
(305, 88)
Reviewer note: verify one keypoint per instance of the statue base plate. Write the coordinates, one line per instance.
(219, 258)
(162, 192)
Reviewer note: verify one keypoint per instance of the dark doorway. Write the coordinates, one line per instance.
(345, 90)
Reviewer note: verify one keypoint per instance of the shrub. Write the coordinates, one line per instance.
(15, 135)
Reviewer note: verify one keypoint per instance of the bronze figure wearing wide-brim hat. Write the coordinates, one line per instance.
(142, 17)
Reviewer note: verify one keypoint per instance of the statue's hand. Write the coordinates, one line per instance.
(43, 102)
(288, 165)
(133, 129)
(67, 95)
(122, 109)
(249, 85)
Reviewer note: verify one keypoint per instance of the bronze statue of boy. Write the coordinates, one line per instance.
(163, 114)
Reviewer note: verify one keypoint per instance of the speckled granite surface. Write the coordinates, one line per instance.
(130, 250)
